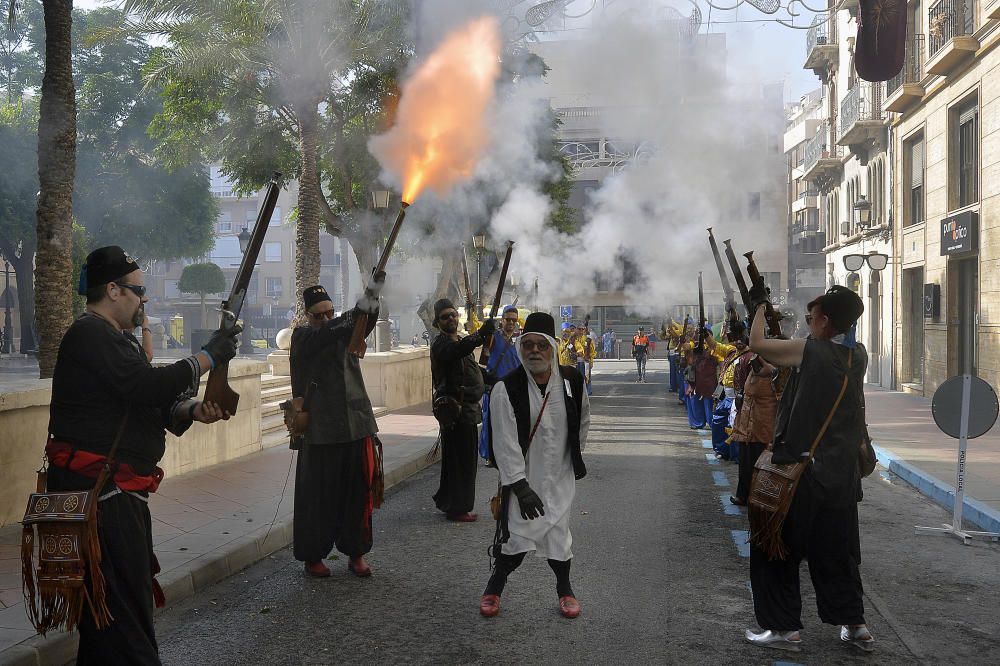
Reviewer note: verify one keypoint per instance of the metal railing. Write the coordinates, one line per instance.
(818, 34)
(816, 148)
(862, 102)
(948, 19)
(913, 65)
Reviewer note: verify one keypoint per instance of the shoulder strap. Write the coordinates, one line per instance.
(538, 420)
(836, 404)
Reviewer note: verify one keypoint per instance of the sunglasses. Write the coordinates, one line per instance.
(326, 314)
(448, 315)
(137, 289)
(529, 345)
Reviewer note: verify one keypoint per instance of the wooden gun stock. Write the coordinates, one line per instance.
(217, 389)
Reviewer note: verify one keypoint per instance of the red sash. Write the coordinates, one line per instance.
(86, 463)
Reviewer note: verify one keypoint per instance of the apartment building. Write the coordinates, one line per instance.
(846, 163)
(945, 110)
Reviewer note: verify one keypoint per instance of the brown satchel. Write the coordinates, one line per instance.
(773, 487)
(496, 502)
(64, 525)
(295, 413)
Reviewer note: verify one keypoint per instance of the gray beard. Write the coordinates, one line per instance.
(537, 367)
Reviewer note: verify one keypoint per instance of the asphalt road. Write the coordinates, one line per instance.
(657, 571)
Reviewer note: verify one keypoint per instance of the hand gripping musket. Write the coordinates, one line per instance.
(217, 389)
(484, 355)
(701, 317)
(470, 301)
(357, 346)
(726, 287)
(771, 317)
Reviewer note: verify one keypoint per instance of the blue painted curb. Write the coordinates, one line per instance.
(720, 478)
(973, 511)
(740, 538)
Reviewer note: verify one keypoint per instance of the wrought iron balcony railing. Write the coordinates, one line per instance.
(862, 102)
(818, 34)
(948, 19)
(913, 65)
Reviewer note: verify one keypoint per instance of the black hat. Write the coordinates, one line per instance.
(841, 305)
(441, 305)
(540, 322)
(879, 50)
(104, 265)
(314, 295)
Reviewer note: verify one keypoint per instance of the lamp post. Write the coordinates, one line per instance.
(863, 208)
(383, 327)
(515, 282)
(8, 331)
(246, 341)
(479, 244)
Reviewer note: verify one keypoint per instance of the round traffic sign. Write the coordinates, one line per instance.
(947, 407)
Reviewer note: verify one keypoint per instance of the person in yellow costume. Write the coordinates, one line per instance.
(587, 353)
(570, 347)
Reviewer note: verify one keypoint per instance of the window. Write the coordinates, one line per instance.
(968, 156)
(914, 186)
(753, 210)
(272, 251)
(225, 222)
(272, 287)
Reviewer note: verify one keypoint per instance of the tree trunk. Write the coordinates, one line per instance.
(56, 170)
(307, 252)
(204, 314)
(449, 266)
(345, 273)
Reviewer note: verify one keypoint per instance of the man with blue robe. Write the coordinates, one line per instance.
(502, 361)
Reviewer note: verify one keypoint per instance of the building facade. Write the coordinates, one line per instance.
(945, 107)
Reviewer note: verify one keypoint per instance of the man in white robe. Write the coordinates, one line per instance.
(540, 415)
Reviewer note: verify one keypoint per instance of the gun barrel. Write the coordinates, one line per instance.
(738, 274)
(726, 287)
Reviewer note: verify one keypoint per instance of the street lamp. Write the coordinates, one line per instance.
(863, 208)
(479, 244)
(8, 331)
(246, 344)
(515, 282)
(383, 328)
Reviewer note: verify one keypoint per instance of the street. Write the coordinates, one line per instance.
(657, 569)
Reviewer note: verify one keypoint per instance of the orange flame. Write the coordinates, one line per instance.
(440, 129)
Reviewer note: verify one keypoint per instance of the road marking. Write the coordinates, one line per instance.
(740, 539)
(706, 443)
(720, 478)
(712, 460)
(728, 507)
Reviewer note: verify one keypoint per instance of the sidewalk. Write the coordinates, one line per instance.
(208, 525)
(911, 446)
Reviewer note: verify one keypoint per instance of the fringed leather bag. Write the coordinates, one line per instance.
(64, 527)
(773, 487)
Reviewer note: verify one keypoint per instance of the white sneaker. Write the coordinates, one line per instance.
(779, 640)
(858, 636)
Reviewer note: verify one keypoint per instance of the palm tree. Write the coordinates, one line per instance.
(274, 64)
(56, 171)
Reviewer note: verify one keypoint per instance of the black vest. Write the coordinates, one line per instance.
(516, 384)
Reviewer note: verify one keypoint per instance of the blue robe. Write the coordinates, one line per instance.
(503, 360)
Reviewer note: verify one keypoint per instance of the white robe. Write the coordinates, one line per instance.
(548, 469)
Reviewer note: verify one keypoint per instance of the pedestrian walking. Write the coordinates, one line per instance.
(640, 349)
(339, 456)
(608, 343)
(103, 382)
(820, 423)
(459, 386)
(540, 418)
(502, 361)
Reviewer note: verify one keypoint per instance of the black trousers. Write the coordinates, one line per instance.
(331, 500)
(828, 538)
(749, 452)
(127, 562)
(459, 453)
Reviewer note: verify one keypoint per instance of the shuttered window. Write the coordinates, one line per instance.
(968, 157)
(915, 212)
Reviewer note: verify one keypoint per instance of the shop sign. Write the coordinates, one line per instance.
(960, 233)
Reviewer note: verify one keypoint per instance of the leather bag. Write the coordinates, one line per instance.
(60, 549)
(773, 487)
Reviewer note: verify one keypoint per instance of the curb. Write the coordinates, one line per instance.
(941, 493)
(60, 648)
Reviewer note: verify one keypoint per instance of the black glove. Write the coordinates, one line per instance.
(529, 501)
(487, 329)
(759, 295)
(223, 344)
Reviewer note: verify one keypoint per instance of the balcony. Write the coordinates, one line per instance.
(861, 119)
(992, 9)
(904, 90)
(823, 164)
(950, 24)
(822, 50)
(806, 200)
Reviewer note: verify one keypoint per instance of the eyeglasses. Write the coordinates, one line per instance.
(448, 315)
(510, 320)
(326, 314)
(876, 261)
(542, 345)
(137, 289)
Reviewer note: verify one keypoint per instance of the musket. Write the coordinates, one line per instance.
(217, 388)
(726, 287)
(738, 274)
(357, 346)
(771, 316)
(470, 302)
(701, 315)
(484, 355)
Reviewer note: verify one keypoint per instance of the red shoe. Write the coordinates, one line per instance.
(317, 569)
(569, 607)
(462, 517)
(358, 567)
(489, 605)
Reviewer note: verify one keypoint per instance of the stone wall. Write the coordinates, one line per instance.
(24, 418)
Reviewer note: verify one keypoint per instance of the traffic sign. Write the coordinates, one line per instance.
(566, 311)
